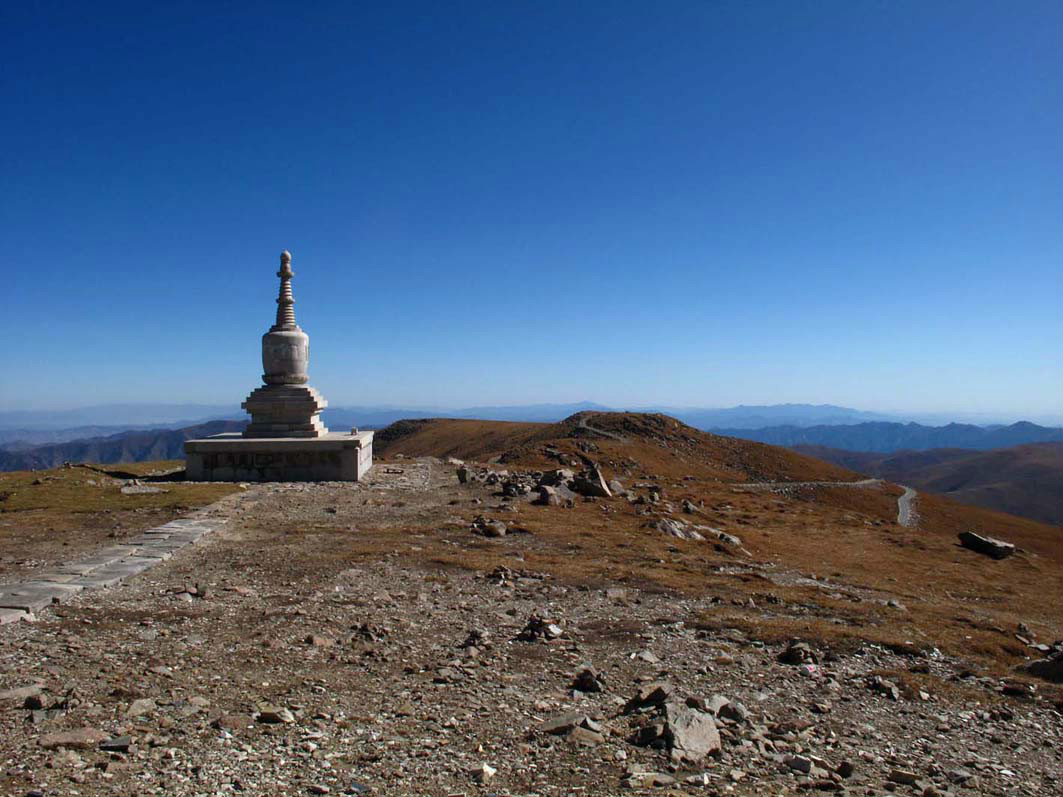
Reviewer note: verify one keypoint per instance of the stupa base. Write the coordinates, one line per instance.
(335, 456)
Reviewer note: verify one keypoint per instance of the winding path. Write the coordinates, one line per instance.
(906, 513)
(784, 485)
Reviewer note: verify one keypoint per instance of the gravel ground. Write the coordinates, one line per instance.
(288, 654)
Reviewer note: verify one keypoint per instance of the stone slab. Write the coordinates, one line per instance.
(163, 545)
(69, 587)
(124, 570)
(106, 556)
(155, 556)
(229, 457)
(28, 600)
(100, 578)
(57, 578)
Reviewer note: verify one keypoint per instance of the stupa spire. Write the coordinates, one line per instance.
(285, 302)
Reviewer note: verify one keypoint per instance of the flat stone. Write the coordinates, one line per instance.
(272, 715)
(140, 707)
(78, 739)
(997, 549)
(13, 616)
(20, 693)
(563, 723)
(116, 744)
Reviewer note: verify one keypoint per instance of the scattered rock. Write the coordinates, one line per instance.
(539, 627)
(272, 715)
(691, 734)
(798, 653)
(139, 708)
(1049, 669)
(650, 696)
(587, 680)
(489, 528)
(677, 528)
(592, 483)
(483, 773)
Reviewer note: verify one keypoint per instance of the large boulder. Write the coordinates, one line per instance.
(998, 549)
(591, 482)
(553, 478)
(690, 734)
(1050, 669)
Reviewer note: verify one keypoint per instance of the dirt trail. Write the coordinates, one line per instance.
(611, 435)
(787, 485)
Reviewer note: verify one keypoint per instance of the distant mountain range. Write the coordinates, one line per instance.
(134, 446)
(1024, 480)
(56, 426)
(885, 437)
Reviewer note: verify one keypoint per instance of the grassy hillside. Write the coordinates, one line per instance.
(1022, 480)
(846, 537)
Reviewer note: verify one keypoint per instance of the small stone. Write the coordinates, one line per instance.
(272, 715)
(798, 653)
(483, 773)
(232, 722)
(562, 723)
(587, 680)
(139, 708)
(653, 694)
(116, 744)
(903, 776)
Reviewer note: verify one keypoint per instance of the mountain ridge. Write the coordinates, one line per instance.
(884, 437)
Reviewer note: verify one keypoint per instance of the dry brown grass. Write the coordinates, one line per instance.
(51, 516)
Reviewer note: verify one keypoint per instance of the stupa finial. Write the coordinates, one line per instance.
(285, 302)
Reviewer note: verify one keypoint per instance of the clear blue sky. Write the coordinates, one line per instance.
(682, 203)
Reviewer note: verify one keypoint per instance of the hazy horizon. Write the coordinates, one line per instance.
(176, 411)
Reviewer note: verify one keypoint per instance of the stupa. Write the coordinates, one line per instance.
(286, 440)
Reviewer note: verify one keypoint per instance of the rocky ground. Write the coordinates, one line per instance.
(370, 639)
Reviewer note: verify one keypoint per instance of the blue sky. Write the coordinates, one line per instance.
(681, 203)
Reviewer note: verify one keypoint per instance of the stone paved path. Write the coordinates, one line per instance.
(104, 568)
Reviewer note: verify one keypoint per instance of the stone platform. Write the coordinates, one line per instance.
(334, 456)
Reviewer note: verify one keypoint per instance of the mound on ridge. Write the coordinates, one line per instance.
(622, 441)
